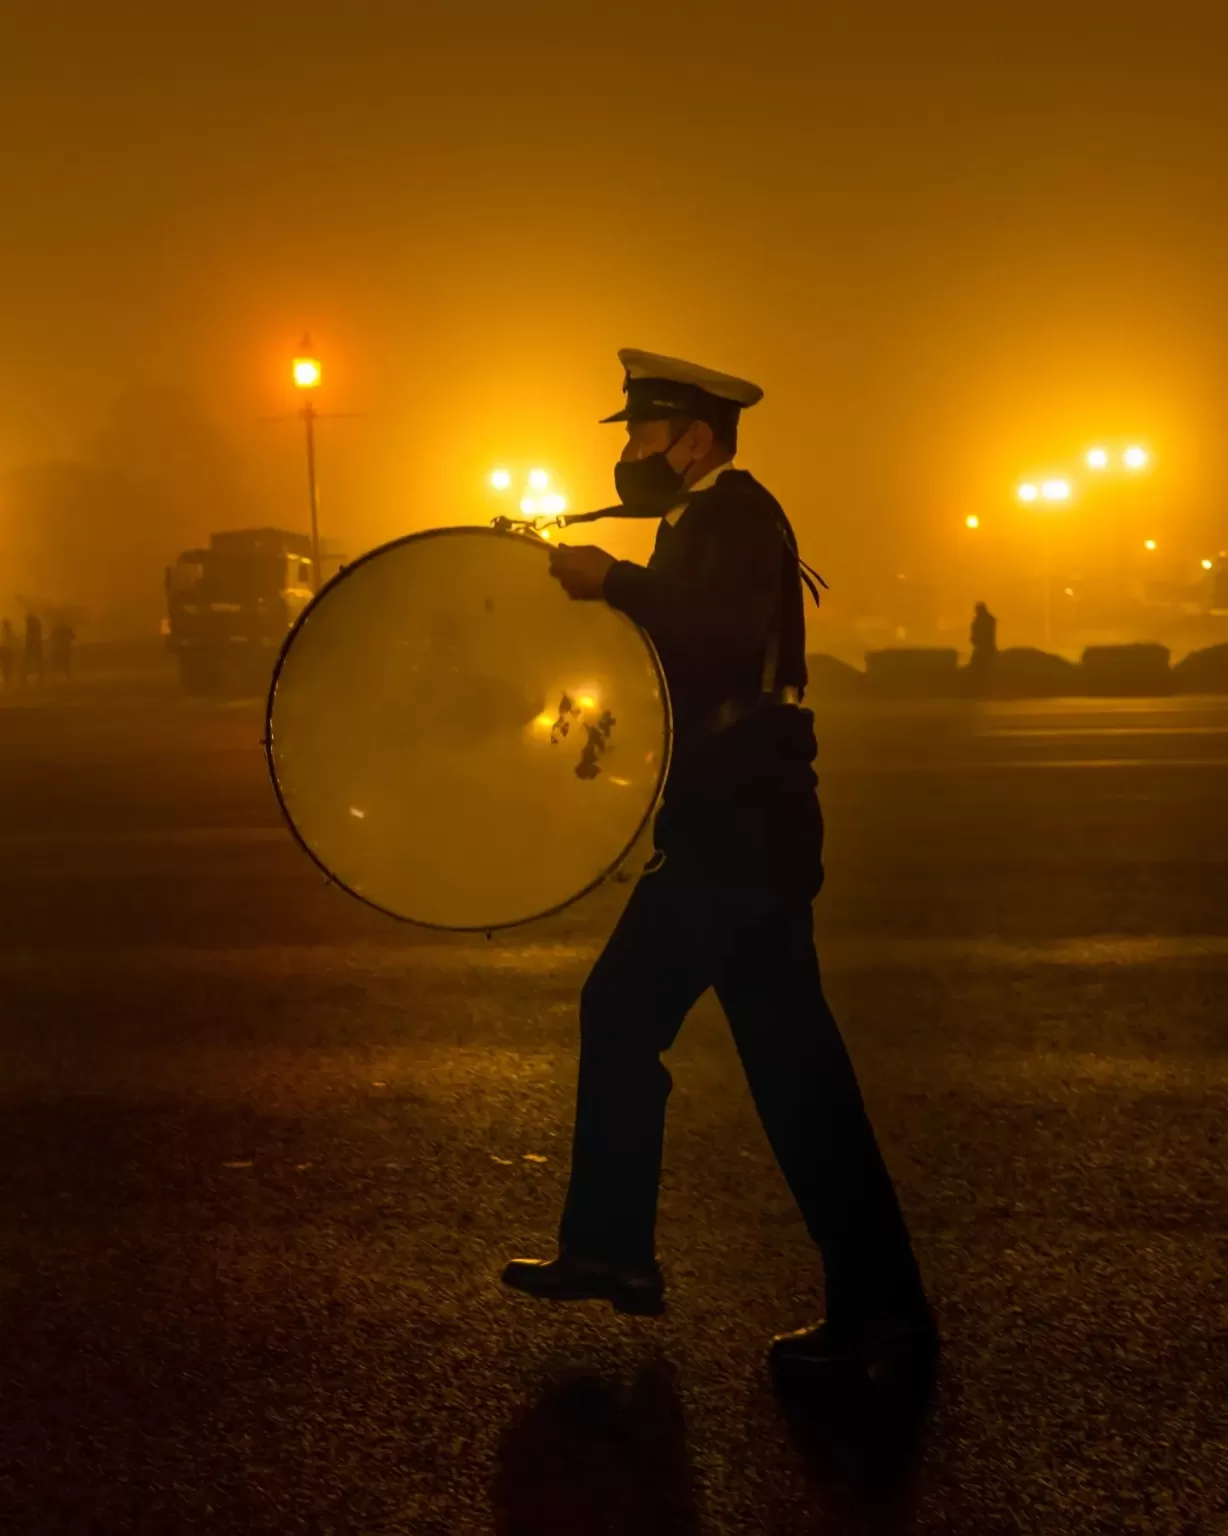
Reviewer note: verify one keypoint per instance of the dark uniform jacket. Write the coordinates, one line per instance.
(741, 800)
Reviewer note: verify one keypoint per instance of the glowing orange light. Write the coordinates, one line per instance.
(1028, 492)
(1208, 565)
(1149, 544)
(307, 369)
(500, 479)
(972, 521)
(1097, 458)
(1135, 458)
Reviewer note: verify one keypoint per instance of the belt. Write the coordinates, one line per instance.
(733, 710)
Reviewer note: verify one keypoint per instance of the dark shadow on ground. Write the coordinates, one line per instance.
(594, 1454)
(862, 1454)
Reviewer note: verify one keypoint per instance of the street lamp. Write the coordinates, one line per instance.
(307, 373)
(306, 369)
(1052, 489)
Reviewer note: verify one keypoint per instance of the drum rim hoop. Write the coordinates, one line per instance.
(333, 879)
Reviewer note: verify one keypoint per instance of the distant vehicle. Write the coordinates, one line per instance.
(230, 607)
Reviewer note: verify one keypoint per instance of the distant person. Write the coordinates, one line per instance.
(984, 638)
(32, 660)
(8, 653)
(62, 639)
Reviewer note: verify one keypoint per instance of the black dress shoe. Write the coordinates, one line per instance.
(897, 1350)
(628, 1288)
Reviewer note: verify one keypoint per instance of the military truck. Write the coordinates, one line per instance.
(229, 607)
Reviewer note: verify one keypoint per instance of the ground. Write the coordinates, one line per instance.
(266, 1152)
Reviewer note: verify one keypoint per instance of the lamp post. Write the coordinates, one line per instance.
(306, 378)
(1052, 491)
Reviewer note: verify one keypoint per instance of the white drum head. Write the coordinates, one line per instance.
(456, 741)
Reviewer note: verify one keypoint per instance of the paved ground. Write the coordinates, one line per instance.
(264, 1153)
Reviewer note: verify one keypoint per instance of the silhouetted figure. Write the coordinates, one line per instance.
(32, 660)
(8, 653)
(726, 903)
(984, 638)
(62, 639)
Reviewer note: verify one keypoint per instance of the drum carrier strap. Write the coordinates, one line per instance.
(735, 709)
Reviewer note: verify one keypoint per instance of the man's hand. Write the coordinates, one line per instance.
(581, 569)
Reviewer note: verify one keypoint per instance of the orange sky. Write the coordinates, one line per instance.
(951, 254)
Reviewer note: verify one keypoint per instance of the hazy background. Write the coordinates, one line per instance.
(954, 252)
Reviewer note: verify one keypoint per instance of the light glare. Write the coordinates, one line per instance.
(539, 479)
(1208, 565)
(1149, 544)
(306, 372)
(1028, 492)
(500, 479)
(972, 521)
(1056, 490)
(1135, 458)
(1097, 458)
(528, 505)
(553, 504)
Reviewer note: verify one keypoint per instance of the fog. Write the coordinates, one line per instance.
(954, 255)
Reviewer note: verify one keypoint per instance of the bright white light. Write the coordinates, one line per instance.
(972, 521)
(500, 479)
(1149, 544)
(1028, 492)
(1055, 490)
(553, 504)
(528, 505)
(1135, 458)
(1097, 458)
(1208, 565)
(539, 479)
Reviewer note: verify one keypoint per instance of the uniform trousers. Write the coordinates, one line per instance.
(682, 932)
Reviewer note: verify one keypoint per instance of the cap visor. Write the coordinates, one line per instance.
(645, 414)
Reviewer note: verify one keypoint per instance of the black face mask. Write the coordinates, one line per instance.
(650, 486)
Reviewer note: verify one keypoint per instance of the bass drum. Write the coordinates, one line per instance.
(457, 742)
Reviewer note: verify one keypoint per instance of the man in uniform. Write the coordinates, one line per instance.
(726, 903)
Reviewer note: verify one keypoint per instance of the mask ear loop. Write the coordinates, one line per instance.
(669, 448)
